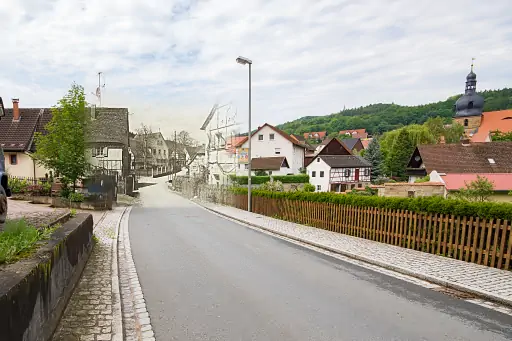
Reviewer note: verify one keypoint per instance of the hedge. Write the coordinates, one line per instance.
(433, 204)
(285, 179)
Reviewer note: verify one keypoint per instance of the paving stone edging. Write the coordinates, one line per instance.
(117, 322)
(136, 320)
(440, 281)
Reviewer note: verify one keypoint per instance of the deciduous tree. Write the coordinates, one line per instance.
(63, 147)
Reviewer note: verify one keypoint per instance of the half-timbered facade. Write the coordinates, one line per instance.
(339, 173)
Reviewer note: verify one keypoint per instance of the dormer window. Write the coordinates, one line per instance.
(470, 105)
(491, 161)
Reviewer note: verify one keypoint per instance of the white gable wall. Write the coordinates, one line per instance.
(268, 148)
(317, 166)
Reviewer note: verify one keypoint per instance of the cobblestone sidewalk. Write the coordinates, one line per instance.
(93, 312)
(487, 282)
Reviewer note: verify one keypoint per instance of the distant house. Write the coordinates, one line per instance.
(107, 141)
(330, 146)
(339, 173)
(17, 129)
(355, 133)
(460, 158)
(315, 135)
(195, 160)
(334, 168)
(353, 144)
(151, 154)
(268, 141)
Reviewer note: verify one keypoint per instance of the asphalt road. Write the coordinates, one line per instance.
(207, 278)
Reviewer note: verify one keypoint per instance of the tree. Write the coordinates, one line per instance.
(454, 133)
(62, 149)
(501, 137)
(400, 154)
(141, 147)
(374, 156)
(185, 139)
(479, 190)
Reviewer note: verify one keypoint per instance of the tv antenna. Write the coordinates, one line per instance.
(98, 89)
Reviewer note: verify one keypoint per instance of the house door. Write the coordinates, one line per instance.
(357, 174)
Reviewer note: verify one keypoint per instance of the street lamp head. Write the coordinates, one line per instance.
(243, 60)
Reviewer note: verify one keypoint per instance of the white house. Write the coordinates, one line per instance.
(338, 173)
(270, 142)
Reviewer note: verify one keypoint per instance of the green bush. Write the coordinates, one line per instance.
(258, 180)
(309, 187)
(424, 179)
(18, 186)
(420, 204)
(76, 197)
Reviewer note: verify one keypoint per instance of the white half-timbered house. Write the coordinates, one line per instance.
(335, 169)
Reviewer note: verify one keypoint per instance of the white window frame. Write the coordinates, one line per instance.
(318, 187)
(321, 174)
(313, 174)
(271, 137)
(260, 137)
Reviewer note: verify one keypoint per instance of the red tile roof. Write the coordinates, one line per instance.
(366, 142)
(277, 130)
(321, 134)
(19, 135)
(454, 181)
(492, 121)
(361, 133)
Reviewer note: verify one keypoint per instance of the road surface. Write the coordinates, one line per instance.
(207, 278)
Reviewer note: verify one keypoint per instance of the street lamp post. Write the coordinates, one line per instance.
(246, 61)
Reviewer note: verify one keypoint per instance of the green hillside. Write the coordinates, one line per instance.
(379, 118)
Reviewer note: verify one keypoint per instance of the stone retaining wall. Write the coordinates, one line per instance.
(34, 291)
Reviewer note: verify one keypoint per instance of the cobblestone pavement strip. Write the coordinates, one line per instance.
(136, 321)
(491, 283)
(91, 314)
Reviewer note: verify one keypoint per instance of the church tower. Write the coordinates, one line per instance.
(469, 107)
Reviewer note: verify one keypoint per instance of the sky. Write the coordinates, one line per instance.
(170, 61)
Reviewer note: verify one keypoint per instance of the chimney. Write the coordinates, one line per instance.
(442, 140)
(15, 109)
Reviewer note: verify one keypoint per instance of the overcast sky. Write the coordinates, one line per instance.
(169, 61)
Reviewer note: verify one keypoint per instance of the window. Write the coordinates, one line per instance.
(466, 122)
(271, 137)
(154, 151)
(470, 105)
(14, 159)
(159, 151)
(260, 137)
(321, 174)
(99, 151)
(347, 173)
(313, 174)
(410, 194)
(164, 152)
(359, 185)
(278, 151)
(317, 159)
(367, 172)
(318, 187)
(269, 172)
(246, 166)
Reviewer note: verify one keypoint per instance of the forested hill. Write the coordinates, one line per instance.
(379, 118)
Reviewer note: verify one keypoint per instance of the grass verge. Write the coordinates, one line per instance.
(19, 239)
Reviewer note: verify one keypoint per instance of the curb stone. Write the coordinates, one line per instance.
(433, 279)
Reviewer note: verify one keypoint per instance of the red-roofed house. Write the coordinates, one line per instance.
(455, 181)
(492, 121)
(316, 135)
(355, 133)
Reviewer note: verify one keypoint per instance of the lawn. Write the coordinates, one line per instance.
(19, 239)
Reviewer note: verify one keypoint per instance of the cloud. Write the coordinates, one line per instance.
(170, 61)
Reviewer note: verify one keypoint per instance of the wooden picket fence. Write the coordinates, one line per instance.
(471, 239)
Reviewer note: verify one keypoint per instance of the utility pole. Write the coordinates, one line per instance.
(174, 162)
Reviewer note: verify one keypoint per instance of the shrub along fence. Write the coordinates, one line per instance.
(423, 224)
(285, 179)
